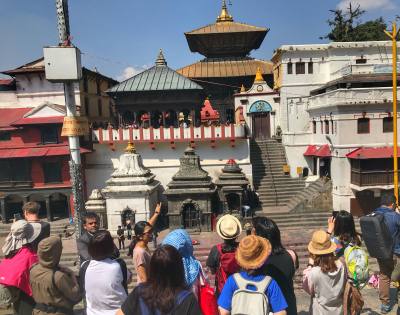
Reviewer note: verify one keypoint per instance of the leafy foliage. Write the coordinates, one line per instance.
(346, 27)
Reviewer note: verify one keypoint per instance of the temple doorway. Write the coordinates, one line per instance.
(233, 202)
(190, 216)
(128, 216)
(260, 112)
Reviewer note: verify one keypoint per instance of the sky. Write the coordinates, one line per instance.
(122, 37)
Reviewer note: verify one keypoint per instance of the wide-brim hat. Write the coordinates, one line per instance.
(252, 252)
(22, 233)
(321, 244)
(228, 227)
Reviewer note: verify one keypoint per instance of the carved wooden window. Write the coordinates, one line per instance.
(52, 172)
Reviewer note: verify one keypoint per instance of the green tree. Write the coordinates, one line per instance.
(346, 27)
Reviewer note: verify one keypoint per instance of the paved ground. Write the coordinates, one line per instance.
(370, 295)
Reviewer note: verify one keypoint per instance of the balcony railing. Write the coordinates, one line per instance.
(362, 69)
(351, 97)
(171, 135)
(371, 178)
(15, 184)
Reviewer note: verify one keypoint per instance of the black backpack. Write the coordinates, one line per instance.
(376, 236)
(84, 266)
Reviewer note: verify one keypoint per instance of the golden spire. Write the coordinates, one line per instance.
(130, 148)
(242, 89)
(160, 61)
(224, 15)
(259, 77)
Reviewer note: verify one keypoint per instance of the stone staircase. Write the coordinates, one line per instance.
(317, 195)
(273, 186)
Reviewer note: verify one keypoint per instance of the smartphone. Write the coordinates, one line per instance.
(334, 214)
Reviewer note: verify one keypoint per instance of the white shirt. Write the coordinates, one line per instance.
(103, 285)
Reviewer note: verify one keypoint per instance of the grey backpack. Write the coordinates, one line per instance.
(249, 302)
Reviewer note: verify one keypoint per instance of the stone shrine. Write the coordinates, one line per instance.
(232, 186)
(96, 203)
(190, 195)
(131, 188)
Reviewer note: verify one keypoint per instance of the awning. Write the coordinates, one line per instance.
(322, 151)
(37, 152)
(372, 153)
(311, 150)
(39, 120)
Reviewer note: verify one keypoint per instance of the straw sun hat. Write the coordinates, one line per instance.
(321, 244)
(252, 252)
(228, 227)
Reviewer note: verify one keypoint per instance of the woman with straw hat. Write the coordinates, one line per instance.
(325, 277)
(221, 261)
(251, 255)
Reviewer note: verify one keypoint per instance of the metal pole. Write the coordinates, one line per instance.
(393, 37)
(75, 165)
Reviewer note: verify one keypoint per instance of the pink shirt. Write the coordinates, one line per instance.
(141, 257)
(14, 271)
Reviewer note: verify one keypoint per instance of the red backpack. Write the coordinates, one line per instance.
(227, 266)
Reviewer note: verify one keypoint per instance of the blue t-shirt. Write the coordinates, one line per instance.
(276, 299)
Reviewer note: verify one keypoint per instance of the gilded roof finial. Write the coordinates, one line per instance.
(242, 89)
(259, 77)
(130, 148)
(160, 61)
(224, 15)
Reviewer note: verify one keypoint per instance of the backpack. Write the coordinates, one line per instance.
(357, 265)
(145, 310)
(8, 295)
(248, 302)
(376, 236)
(227, 266)
(85, 265)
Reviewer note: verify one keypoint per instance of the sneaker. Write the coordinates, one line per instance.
(385, 308)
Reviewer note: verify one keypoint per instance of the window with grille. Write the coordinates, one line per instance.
(52, 172)
(327, 127)
(363, 125)
(310, 67)
(290, 68)
(387, 124)
(300, 68)
(49, 134)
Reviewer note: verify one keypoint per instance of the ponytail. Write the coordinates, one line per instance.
(138, 229)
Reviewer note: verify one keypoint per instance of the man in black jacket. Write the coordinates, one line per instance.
(91, 226)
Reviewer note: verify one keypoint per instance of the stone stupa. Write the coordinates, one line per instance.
(131, 186)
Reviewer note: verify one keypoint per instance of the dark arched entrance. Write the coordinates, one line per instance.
(13, 205)
(128, 215)
(190, 216)
(59, 206)
(233, 202)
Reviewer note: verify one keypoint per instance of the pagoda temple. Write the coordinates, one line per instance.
(158, 96)
(226, 45)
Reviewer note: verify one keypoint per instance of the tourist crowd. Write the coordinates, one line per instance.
(254, 274)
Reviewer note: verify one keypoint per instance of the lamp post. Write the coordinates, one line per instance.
(393, 36)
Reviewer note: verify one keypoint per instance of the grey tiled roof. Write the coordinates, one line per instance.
(158, 78)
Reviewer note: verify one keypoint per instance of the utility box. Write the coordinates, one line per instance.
(62, 64)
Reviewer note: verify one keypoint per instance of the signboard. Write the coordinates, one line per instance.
(75, 126)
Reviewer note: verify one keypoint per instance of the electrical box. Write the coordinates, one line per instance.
(62, 64)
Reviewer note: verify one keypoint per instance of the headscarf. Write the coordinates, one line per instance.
(181, 240)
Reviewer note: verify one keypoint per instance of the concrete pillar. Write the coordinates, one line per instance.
(48, 210)
(3, 210)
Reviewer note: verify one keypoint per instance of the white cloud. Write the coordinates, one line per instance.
(367, 4)
(130, 71)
